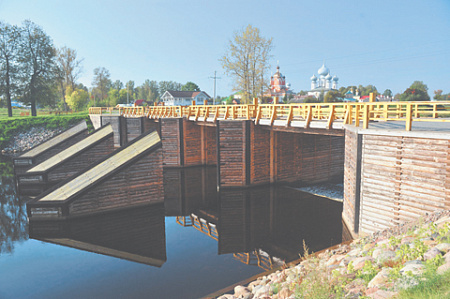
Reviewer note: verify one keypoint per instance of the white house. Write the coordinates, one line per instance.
(184, 98)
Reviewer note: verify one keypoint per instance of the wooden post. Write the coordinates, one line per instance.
(357, 115)
(193, 103)
(205, 102)
(275, 100)
(366, 116)
(273, 156)
(308, 117)
(408, 116)
(331, 117)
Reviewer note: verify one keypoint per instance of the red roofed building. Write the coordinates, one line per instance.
(278, 86)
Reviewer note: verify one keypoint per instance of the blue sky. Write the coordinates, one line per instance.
(387, 43)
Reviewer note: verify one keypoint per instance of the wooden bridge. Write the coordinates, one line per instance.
(394, 157)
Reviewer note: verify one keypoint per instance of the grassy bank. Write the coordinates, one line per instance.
(9, 126)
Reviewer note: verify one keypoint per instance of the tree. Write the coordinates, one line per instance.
(418, 91)
(77, 99)
(130, 91)
(36, 60)
(332, 96)
(168, 85)
(101, 83)
(247, 60)
(9, 49)
(118, 85)
(190, 86)
(366, 90)
(68, 70)
(387, 93)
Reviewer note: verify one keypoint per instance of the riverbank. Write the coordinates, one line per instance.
(23, 141)
(394, 263)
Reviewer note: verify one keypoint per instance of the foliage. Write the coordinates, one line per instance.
(77, 99)
(367, 90)
(101, 83)
(387, 93)
(36, 63)
(9, 52)
(164, 86)
(247, 60)
(332, 97)
(190, 86)
(439, 96)
(418, 91)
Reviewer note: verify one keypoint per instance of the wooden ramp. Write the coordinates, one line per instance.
(137, 235)
(50, 147)
(128, 177)
(66, 163)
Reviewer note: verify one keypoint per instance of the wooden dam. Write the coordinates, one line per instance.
(394, 158)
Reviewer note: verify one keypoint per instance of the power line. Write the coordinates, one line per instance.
(215, 78)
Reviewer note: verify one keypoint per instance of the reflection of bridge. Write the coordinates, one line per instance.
(254, 224)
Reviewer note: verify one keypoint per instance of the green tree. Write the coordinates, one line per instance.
(332, 96)
(311, 99)
(418, 91)
(387, 93)
(77, 99)
(118, 85)
(247, 61)
(164, 86)
(36, 60)
(366, 90)
(190, 86)
(101, 83)
(130, 91)
(9, 51)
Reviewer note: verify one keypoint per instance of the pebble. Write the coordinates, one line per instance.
(381, 285)
(26, 140)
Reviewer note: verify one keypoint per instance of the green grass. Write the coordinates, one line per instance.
(12, 125)
(435, 287)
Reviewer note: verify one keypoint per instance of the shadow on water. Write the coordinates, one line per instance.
(13, 218)
(196, 242)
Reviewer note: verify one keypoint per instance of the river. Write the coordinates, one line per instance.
(193, 243)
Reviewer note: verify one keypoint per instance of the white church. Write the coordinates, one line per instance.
(324, 83)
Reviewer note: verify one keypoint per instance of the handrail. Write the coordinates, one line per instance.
(288, 114)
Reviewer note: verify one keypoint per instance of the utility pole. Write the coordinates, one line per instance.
(215, 77)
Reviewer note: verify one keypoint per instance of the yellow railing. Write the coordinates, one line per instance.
(358, 114)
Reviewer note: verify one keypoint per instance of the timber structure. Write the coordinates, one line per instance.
(49, 148)
(393, 156)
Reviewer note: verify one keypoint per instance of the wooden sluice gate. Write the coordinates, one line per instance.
(136, 234)
(66, 163)
(49, 148)
(128, 177)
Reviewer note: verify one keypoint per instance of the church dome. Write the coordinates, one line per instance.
(323, 71)
(313, 78)
(328, 77)
(335, 78)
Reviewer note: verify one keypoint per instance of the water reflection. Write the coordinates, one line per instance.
(136, 234)
(259, 226)
(13, 219)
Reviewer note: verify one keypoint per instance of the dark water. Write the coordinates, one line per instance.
(193, 243)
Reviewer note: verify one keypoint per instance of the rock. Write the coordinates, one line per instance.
(262, 292)
(240, 291)
(386, 255)
(335, 259)
(284, 292)
(447, 257)
(414, 268)
(407, 240)
(442, 221)
(433, 252)
(382, 294)
(368, 246)
(354, 252)
(443, 247)
(227, 296)
(359, 262)
(443, 268)
(381, 278)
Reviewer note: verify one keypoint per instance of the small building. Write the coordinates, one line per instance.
(184, 98)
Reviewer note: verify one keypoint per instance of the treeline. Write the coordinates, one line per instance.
(37, 74)
(418, 91)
